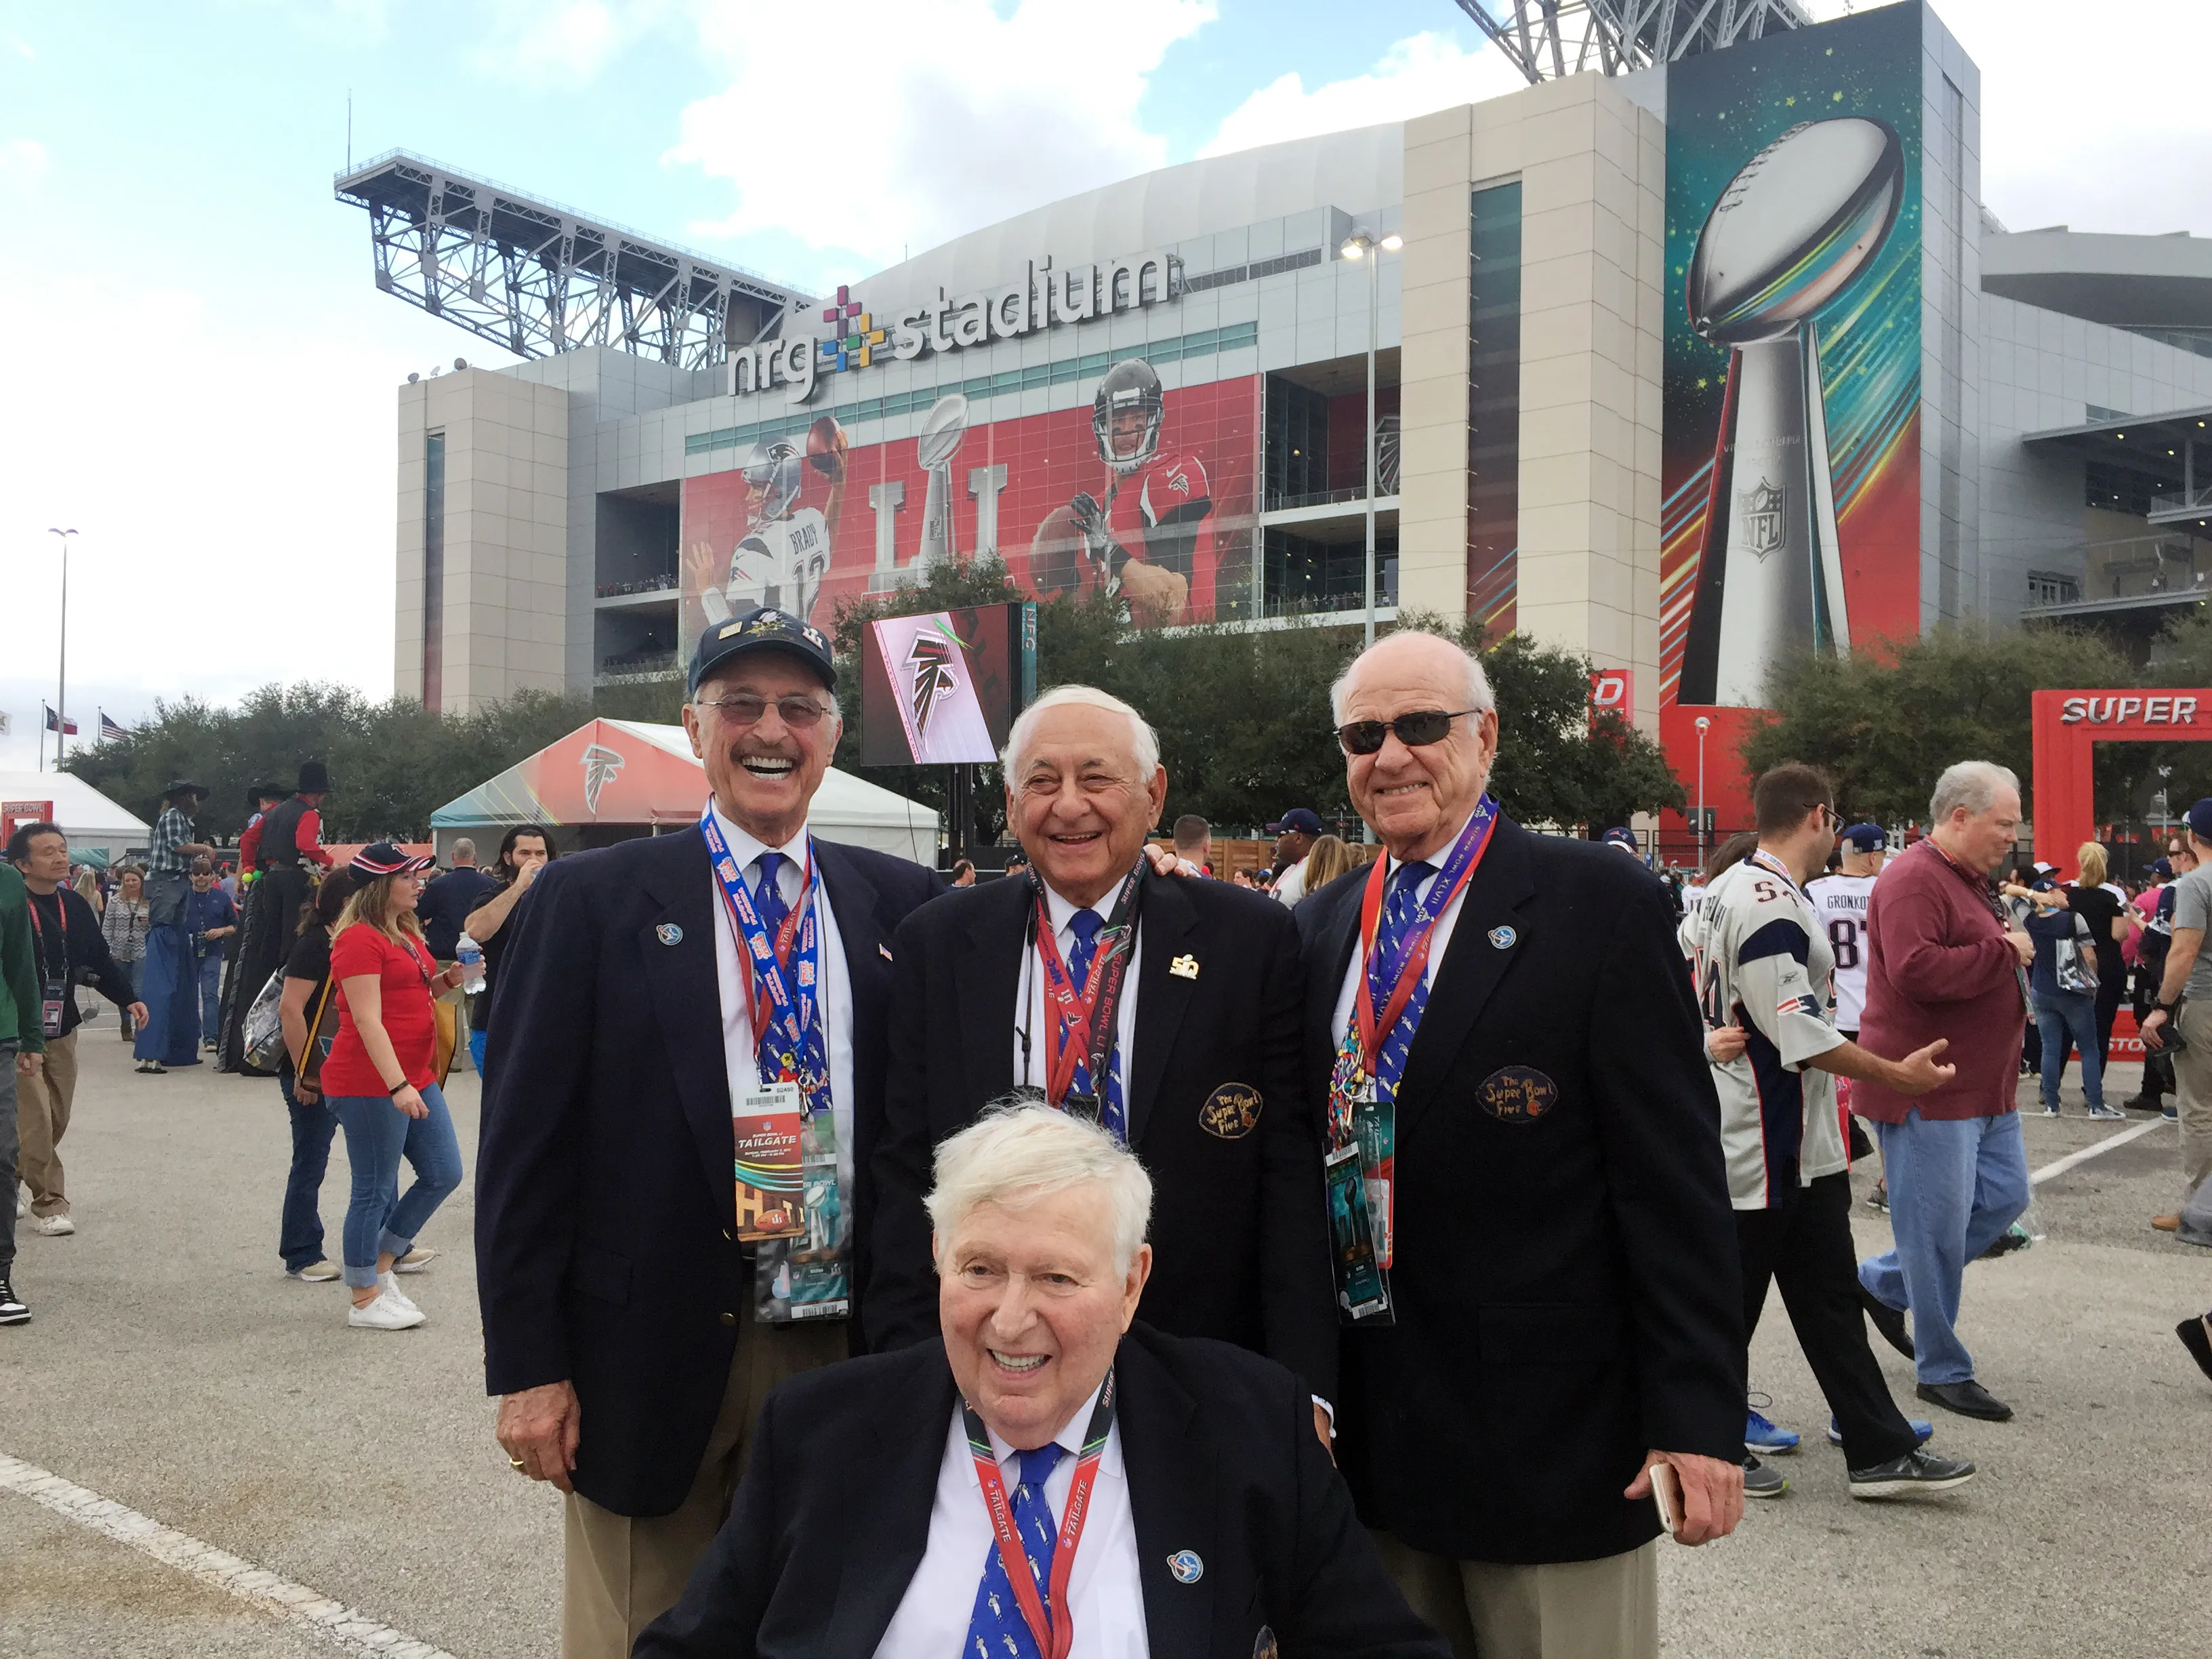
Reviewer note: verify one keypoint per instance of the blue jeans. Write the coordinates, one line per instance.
(377, 1134)
(1955, 1184)
(211, 972)
(2069, 1016)
(299, 1234)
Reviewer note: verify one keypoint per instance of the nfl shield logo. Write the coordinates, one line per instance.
(1760, 508)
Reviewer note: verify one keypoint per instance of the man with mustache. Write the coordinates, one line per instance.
(668, 1006)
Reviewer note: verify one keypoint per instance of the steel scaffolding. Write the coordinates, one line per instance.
(1546, 38)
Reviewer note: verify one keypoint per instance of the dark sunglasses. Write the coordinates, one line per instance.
(1421, 727)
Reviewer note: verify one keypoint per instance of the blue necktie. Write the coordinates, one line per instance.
(768, 893)
(996, 1630)
(1085, 924)
(1391, 948)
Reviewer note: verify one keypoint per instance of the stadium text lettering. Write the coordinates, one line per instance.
(2125, 711)
(1044, 298)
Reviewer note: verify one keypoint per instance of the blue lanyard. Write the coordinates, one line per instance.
(789, 1044)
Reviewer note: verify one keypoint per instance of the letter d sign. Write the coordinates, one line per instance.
(1613, 689)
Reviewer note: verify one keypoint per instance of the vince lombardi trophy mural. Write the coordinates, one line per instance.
(1794, 225)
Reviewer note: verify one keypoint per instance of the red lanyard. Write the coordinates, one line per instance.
(1083, 1028)
(1372, 1031)
(1048, 1617)
(758, 986)
(62, 905)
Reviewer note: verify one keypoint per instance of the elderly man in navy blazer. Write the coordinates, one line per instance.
(630, 1328)
(1041, 1477)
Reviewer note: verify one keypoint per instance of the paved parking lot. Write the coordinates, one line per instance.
(173, 1370)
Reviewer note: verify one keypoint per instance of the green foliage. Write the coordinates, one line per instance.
(1552, 767)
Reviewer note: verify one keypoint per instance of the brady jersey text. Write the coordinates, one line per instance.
(781, 562)
(1840, 901)
(1763, 962)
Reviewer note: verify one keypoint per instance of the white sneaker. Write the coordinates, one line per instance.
(384, 1315)
(53, 1226)
(390, 1287)
(22, 1202)
(415, 1260)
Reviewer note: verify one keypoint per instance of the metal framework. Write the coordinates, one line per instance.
(539, 278)
(1546, 38)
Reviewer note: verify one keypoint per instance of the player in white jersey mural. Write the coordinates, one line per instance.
(783, 557)
(1763, 965)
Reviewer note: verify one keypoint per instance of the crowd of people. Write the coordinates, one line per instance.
(1046, 1246)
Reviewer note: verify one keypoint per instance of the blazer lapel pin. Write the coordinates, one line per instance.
(1503, 938)
(884, 951)
(1184, 967)
(670, 933)
(1186, 1567)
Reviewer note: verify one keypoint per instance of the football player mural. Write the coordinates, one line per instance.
(1143, 536)
(782, 558)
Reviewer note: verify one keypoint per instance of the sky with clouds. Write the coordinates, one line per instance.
(198, 376)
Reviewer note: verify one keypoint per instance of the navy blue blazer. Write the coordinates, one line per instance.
(606, 1202)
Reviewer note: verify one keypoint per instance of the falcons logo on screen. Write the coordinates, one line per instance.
(600, 765)
(932, 662)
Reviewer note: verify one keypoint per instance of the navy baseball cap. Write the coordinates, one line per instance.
(1865, 838)
(2162, 868)
(1308, 824)
(1619, 837)
(2200, 820)
(766, 629)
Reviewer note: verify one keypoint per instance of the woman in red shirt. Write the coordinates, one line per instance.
(379, 1080)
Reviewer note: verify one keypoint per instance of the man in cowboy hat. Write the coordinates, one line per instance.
(169, 1035)
(287, 839)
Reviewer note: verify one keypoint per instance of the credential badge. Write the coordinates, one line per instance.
(669, 934)
(1186, 1567)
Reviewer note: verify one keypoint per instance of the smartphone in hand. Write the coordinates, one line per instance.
(1667, 1495)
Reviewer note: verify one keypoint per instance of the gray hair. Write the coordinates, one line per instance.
(1022, 1149)
(1477, 683)
(1144, 742)
(464, 851)
(1973, 785)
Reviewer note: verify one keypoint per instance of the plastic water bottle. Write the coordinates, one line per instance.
(470, 954)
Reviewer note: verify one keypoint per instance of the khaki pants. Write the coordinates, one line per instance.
(1603, 1609)
(2192, 1094)
(42, 1115)
(619, 1574)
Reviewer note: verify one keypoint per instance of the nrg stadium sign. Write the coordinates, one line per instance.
(1044, 298)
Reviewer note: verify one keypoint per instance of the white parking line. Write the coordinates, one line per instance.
(333, 1621)
(2133, 1132)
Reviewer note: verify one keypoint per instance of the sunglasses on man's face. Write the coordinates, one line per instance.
(1417, 729)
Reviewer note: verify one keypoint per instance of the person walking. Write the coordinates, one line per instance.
(1295, 833)
(382, 1080)
(2153, 947)
(1329, 857)
(286, 846)
(633, 1322)
(123, 925)
(524, 850)
(449, 899)
(2112, 923)
(2184, 1005)
(71, 951)
(210, 919)
(22, 1055)
(309, 1010)
(169, 1031)
(1193, 843)
(1943, 961)
(1503, 1031)
(2063, 987)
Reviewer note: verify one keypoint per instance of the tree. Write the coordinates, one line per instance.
(1555, 764)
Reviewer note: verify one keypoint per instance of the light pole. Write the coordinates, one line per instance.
(61, 692)
(1361, 246)
(1705, 726)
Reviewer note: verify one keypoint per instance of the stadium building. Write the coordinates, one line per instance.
(1703, 356)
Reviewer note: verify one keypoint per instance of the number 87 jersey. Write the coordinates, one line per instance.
(1840, 904)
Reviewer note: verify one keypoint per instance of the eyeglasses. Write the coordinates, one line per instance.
(1417, 729)
(745, 709)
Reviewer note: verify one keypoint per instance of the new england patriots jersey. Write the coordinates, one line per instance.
(781, 562)
(1840, 901)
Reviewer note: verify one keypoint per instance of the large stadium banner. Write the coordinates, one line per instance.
(1790, 468)
(1148, 495)
(943, 687)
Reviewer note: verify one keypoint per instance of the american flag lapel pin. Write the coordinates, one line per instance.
(884, 951)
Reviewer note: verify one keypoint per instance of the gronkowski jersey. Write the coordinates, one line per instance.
(1840, 901)
(782, 562)
(1763, 962)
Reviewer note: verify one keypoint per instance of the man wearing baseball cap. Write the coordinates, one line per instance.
(2184, 1003)
(662, 997)
(1295, 833)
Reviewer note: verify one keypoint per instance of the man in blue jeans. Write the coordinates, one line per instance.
(1944, 959)
(210, 919)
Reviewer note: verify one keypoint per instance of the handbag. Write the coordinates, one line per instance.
(444, 1014)
(322, 1031)
(2073, 961)
(264, 1025)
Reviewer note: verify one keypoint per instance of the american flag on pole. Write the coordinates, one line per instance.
(112, 727)
(56, 723)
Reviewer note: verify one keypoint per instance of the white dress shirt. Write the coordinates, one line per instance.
(1104, 1593)
(739, 1055)
(1030, 1014)
(1438, 944)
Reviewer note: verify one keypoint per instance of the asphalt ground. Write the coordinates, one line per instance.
(171, 1367)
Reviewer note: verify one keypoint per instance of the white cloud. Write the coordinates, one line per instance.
(565, 43)
(1420, 73)
(22, 158)
(915, 120)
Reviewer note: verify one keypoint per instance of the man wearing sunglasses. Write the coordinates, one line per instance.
(1502, 1032)
(630, 1327)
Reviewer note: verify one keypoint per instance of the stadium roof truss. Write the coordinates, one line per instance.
(537, 278)
(1547, 39)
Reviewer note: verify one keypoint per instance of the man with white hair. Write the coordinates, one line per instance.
(1541, 1284)
(1043, 1477)
(1164, 1009)
(1944, 960)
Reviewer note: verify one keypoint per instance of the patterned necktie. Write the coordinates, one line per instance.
(767, 899)
(1085, 924)
(996, 1630)
(1389, 948)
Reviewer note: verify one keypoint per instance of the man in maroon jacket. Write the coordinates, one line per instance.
(1942, 960)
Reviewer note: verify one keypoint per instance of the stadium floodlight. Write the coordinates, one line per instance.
(536, 278)
(1547, 39)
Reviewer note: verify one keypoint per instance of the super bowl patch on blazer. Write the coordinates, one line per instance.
(1232, 1111)
(670, 933)
(1516, 1093)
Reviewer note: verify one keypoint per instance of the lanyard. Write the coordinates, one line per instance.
(1049, 1619)
(1766, 861)
(1391, 983)
(62, 905)
(786, 1017)
(1086, 1024)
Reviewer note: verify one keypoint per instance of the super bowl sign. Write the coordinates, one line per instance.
(1043, 297)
